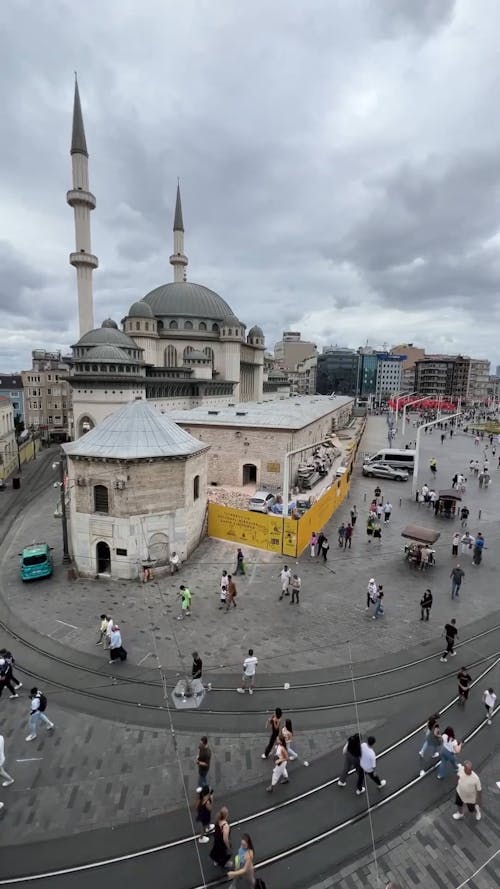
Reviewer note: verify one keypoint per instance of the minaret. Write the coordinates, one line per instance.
(82, 201)
(178, 259)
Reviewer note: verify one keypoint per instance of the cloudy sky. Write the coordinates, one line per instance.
(339, 164)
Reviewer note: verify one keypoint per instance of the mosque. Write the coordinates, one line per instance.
(180, 346)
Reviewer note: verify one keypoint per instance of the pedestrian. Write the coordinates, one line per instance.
(457, 575)
(325, 546)
(379, 604)
(450, 632)
(425, 557)
(479, 544)
(244, 872)
(489, 700)
(468, 791)
(174, 563)
(287, 733)
(380, 511)
(321, 537)
(467, 542)
(185, 597)
(11, 663)
(432, 742)
(449, 750)
(377, 531)
(348, 536)
(280, 773)
(296, 584)
(354, 515)
(454, 543)
(116, 649)
(107, 641)
(464, 680)
(223, 590)
(102, 630)
(387, 512)
(248, 678)
(425, 605)
(38, 706)
(352, 759)
(313, 542)
(3, 774)
(204, 813)
(274, 723)
(285, 577)
(433, 466)
(368, 765)
(369, 528)
(6, 678)
(341, 535)
(371, 593)
(203, 758)
(231, 593)
(220, 853)
(240, 563)
(197, 666)
(443, 436)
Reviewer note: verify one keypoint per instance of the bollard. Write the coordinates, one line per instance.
(364, 497)
(479, 516)
(400, 502)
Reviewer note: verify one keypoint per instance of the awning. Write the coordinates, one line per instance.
(420, 534)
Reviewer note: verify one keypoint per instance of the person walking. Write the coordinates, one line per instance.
(433, 740)
(450, 748)
(116, 649)
(425, 605)
(274, 723)
(109, 628)
(368, 764)
(243, 874)
(313, 542)
(454, 543)
(467, 543)
(433, 466)
(325, 546)
(102, 630)
(341, 535)
(489, 701)
(377, 531)
(468, 792)
(38, 706)
(223, 590)
(248, 678)
(6, 678)
(450, 633)
(220, 853)
(387, 512)
(296, 584)
(11, 663)
(287, 733)
(369, 528)
(280, 773)
(371, 593)
(348, 536)
(352, 759)
(464, 680)
(321, 537)
(231, 593)
(7, 780)
(379, 602)
(197, 666)
(204, 813)
(285, 577)
(457, 575)
(354, 515)
(479, 544)
(240, 563)
(185, 597)
(203, 758)
(464, 515)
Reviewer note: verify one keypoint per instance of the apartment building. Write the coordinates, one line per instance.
(47, 395)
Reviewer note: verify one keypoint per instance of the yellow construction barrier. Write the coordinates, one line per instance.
(242, 526)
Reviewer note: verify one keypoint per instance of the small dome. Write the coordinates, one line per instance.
(107, 336)
(140, 309)
(106, 353)
(108, 322)
(256, 331)
(195, 354)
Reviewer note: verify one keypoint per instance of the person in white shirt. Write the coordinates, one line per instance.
(103, 629)
(371, 592)
(174, 563)
(468, 542)
(38, 704)
(468, 791)
(280, 773)
(285, 577)
(109, 627)
(489, 699)
(249, 665)
(7, 779)
(223, 589)
(368, 764)
(387, 512)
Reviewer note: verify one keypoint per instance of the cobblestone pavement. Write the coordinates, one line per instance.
(332, 609)
(436, 852)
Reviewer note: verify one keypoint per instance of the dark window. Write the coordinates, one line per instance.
(188, 325)
(101, 498)
(121, 552)
(196, 487)
(202, 325)
(215, 328)
(137, 325)
(173, 325)
(147, 328)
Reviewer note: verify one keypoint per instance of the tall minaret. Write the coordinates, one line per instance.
(178, 259)
(82, 201)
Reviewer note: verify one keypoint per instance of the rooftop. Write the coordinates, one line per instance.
(289, 413)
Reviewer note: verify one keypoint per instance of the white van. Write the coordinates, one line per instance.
(396, 457)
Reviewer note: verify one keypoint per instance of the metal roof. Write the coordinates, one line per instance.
(106, 353)
(140, 309)
(184, 299)
(289, 413)
(109, 336)
(135, 432)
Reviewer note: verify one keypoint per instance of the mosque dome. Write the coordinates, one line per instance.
(256, 331)
(107, 353)
(111, 336)
(140, 309)
(108, 322)
(183, 299)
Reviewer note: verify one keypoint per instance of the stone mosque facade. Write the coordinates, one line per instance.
(180, 346)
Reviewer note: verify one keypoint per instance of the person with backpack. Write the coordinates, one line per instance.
(352, 759)
(116, 649)
(37, 713)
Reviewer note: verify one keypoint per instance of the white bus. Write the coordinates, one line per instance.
(396, 457)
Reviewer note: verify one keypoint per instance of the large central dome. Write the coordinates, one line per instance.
(182, 299)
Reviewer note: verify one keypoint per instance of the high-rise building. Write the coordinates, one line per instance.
(412, 354)
(292, 348)
(337, 372)
(389, 374)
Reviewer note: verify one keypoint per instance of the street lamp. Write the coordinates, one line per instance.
(409, 404)
(59, 464)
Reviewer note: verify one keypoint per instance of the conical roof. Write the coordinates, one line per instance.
(178, 221)
(135, 432)
(78, 141)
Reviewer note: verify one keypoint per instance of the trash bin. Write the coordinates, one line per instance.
(16, 482)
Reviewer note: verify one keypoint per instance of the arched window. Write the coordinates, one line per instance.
(209, 353)
(137, 325)
(173, 325)
(170, 356)
(159, 325)
(101, 498)
(196, 487)
(215, 328)
(147, 325)
(230, 332)
(202, 325)
(187, 351)
(188, 325)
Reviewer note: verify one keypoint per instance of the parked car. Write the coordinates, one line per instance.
(382, 470)
(36, 561)
(261, 501)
